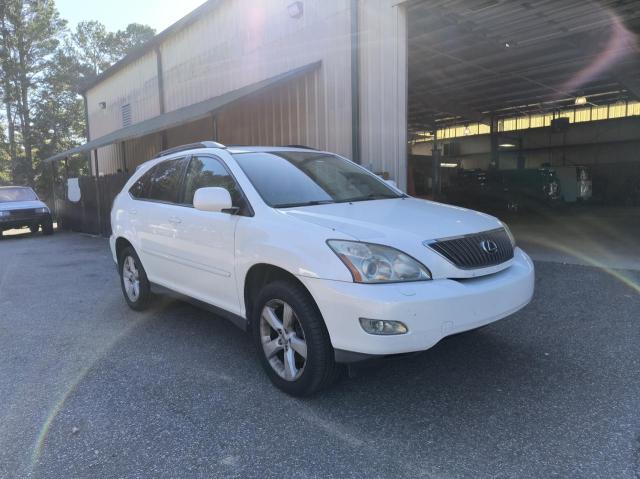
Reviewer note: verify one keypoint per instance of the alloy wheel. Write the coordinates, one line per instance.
(130, 278)
(283, 339)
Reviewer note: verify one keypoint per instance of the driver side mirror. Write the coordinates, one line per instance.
(213, 199)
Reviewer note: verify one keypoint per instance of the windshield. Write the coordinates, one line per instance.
(17, 194)
(294, 178)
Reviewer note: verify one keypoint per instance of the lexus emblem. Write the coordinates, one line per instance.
(489, 246)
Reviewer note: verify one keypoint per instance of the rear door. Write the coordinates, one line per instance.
(205, 240)
(155, 216)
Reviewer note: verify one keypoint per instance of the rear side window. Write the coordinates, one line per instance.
(160, 183)
(206, 172)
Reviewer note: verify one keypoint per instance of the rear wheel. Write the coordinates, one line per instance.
(291, 339)
(133, 279)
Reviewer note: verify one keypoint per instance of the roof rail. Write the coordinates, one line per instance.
(190, 146)
(303, 147)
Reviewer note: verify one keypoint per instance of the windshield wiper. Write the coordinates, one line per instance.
(378, 196)
(306, 203)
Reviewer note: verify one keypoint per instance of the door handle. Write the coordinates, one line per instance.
(175, 220)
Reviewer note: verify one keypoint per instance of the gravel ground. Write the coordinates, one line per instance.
(89, 388)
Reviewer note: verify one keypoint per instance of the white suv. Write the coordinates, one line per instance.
(323, 261)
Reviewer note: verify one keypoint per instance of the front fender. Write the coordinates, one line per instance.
(298, 249)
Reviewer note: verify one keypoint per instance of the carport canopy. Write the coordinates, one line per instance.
(474, 61)
(186, 114)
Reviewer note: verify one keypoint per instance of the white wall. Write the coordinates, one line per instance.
(245, 41)
(136, 84)
(242, 42)
(383, 87)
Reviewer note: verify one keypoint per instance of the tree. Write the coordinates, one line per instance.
(98, 49)
(31, 32)
(132, 37)
(42, 69)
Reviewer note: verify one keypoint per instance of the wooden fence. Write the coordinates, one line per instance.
(92, 214)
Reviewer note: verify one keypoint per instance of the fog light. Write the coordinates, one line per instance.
(382, 327)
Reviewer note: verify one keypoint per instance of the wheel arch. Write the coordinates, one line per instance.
(261, 274)
(120, 244)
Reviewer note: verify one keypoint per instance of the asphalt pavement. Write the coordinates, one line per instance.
(89, 388)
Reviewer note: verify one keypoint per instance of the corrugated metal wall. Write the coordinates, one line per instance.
(244, 41)
(291, 113)
(136, 151)
(136, 85)
(383, 87)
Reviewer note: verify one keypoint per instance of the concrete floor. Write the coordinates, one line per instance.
(89, 388)
(600, 237)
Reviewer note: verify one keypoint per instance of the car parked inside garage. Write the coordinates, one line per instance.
(322, 260)
(20, 207)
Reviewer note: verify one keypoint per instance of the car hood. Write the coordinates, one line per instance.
(21, 205)
(384, 220)
(403, 223)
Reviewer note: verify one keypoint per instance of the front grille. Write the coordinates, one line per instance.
(22, 214)
(467, 252)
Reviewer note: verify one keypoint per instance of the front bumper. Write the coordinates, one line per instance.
(430, 309)
(9, 223)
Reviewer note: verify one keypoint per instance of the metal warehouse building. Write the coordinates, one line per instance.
(408, 88)
(271, 72)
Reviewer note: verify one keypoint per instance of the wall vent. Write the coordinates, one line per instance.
(126, 115)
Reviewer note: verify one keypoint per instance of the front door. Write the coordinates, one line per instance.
(205, 240)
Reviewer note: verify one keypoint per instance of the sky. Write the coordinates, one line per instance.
(117, 14)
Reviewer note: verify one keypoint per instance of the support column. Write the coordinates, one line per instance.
(495, 154)
(435, 156)
(382, 87)
(123, 154)
(98, 205)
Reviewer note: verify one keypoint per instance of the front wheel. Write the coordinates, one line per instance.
(47, 228)
(34, 229)
(133, 279)
(292, 340)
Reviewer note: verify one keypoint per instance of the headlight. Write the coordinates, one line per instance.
(373, 263)
(42, 210)
(509, 234)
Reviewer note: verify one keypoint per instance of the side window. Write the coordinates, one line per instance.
(140, 188)
(205, 172)
(164, 182)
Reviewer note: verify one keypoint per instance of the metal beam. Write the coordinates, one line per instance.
(431, 102)
(631, 83)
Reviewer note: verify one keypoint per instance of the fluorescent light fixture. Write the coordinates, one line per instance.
(581, 100)
(448, 165)
(507, 145)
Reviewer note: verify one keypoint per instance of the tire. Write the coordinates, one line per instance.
(34, 229)
(311, 374)
(47, 228)
(133, 280)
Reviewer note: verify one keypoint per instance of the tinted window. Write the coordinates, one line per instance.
(296, 178)
(17, 194)
(164, 181)
(141, 187)
(205, 172)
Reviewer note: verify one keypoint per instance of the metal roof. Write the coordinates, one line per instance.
(471, 59)
(184, 115)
